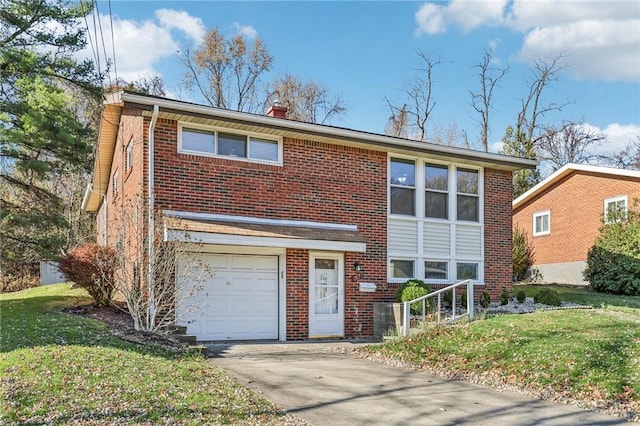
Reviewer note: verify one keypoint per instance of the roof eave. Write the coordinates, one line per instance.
(371, 140)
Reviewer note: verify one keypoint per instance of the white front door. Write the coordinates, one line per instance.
(326, 295)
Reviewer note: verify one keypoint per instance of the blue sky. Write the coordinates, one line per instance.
(365, 51)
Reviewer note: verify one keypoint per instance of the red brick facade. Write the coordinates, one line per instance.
(576, 205)
(498, 269)
(318, 182)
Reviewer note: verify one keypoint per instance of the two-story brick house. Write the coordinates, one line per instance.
(562, 216)
(294, 216)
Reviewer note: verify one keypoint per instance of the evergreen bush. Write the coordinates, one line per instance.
(613, 263)
(411, 290)
(485, 300)
(504, 297)
(522, 251)
(548, 296)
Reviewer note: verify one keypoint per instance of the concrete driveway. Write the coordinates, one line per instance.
(325, 387)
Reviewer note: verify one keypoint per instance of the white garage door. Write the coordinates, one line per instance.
(238, 300)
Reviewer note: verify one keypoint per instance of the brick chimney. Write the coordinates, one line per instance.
(277, 111)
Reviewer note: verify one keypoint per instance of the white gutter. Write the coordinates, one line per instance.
(151, 206)
(338, 132)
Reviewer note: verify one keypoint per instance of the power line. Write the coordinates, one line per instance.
(113, 44)
(96, 16)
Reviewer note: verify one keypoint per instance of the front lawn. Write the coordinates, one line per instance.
(58, 368)
(585, 296)
(588, 357)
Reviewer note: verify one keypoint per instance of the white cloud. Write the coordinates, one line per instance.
(433, 18)
(618, 136)
(606, 50)
(181, 20)
(525, 15)
(141, 45)
(246, 30)
(599, 40)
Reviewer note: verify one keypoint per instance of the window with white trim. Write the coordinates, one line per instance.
(403, 186)
(202, 140)
(436, 219)
(114, 185)
(615, 209)
(542, 223)
(466, 271)
(467, 195)
(436, 197)
(129, 156)
(399, 268)
(436, 270)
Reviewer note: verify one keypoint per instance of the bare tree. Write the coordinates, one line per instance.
(226, 72)
(489, 77)
(154, 293)
(450, 135)
(533, 110)
(398, 122)
(626, 158)
(569, 143)
(521, 139)
(153, 85)
(305, 101)
(419, 104)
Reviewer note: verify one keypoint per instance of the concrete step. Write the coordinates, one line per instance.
(186, 338)
(177, 329)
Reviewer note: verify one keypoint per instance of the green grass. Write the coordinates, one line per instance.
(586, 355)
(59, 368)
(586, 296)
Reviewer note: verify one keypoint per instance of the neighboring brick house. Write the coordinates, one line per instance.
(563, 213)
(294, 216)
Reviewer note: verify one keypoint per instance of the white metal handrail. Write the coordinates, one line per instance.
(407, 305)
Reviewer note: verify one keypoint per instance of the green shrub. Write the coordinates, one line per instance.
(523, 255)
(548, 296)
(463, 299)
(613, 263)
(448, 298)
(91, 266)
(521, 296)
(504, 297)
(411, 290)
(485, 300)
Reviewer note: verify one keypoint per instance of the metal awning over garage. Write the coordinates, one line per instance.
(259, 232)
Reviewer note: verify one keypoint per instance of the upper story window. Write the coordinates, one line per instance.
(615, 209)
(197, 139)
(114, 186)
(436, 184)
(129, 156)
(542, 223)
(403, 186)
(468, 199)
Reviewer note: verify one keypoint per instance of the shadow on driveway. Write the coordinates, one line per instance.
(326, 387)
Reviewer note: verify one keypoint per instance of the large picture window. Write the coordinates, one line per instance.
(435, 226)
(467, 195)
(212, 142)
(403, 182)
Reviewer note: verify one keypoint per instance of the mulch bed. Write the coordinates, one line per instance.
(121, 325)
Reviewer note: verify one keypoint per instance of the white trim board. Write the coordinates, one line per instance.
(242, 240)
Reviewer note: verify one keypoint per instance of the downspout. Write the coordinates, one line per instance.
(151, 224)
